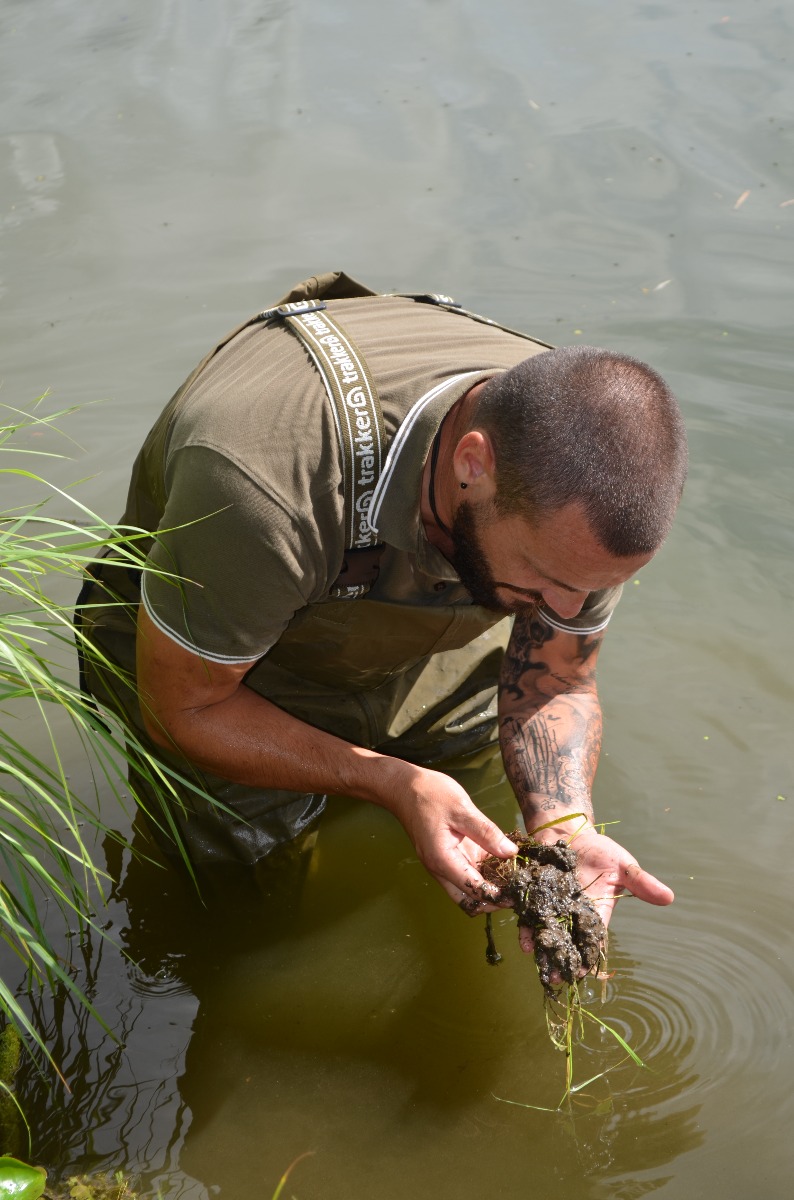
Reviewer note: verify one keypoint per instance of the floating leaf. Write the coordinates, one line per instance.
(18, 1181)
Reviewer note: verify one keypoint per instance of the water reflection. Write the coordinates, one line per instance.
(122, 1111)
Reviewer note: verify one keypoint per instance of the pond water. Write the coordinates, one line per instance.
(616, 174)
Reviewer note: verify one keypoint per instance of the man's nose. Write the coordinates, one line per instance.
(565, 604)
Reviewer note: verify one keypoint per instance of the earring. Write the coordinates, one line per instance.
(464, 486)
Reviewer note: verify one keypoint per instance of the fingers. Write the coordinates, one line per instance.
(472, 903)
(606, 888)
(468, 838)
(606, 869)
(525, 939)
(461, 880)
(459, 876)
(466, 883)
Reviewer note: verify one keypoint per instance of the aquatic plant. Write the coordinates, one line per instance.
(47, 831)
(24, 1182)
(541, 885)
(21, 1181)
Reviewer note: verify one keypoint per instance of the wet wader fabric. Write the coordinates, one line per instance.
(415, 682)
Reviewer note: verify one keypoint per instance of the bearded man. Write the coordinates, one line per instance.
(386, 532)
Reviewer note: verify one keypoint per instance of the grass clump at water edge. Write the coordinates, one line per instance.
(46, 829)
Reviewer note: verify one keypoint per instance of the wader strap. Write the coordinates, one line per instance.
(359, 426)
(446, 302)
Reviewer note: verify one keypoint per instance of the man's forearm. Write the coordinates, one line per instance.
(550, 758)
(550, 721)
(204, 711)
(246, 739)
(550, 728)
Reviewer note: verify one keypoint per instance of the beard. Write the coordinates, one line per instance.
(469, 560)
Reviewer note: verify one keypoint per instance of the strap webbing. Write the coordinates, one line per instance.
(357, 413)
(450, 305)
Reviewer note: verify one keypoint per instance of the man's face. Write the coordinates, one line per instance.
(508, 564)
(471, 564)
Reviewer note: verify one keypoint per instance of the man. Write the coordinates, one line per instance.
(371, 513)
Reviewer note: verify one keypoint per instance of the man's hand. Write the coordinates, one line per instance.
(451, 836)
(606, 871)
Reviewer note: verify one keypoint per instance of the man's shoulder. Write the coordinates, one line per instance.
(260, 405)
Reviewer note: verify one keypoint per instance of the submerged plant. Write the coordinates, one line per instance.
(282, 1182)
(24, 1182)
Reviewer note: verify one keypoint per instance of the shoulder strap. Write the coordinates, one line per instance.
(359, 427)
(446, 302)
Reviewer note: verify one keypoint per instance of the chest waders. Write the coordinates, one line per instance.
(417, 683)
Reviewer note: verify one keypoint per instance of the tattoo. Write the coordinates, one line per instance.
(550, 718)
(526, 676)
(551, 759)
(529, 633)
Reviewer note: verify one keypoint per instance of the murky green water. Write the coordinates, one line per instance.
(612, 173)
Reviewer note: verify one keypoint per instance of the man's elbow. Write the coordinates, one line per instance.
(158, 729)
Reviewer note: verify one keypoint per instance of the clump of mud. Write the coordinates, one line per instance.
(541, 886)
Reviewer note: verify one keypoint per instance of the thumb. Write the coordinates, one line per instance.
(485, 833)
(646, 887)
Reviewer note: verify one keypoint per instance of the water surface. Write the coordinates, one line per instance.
(614, 174)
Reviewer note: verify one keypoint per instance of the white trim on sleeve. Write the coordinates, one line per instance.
(558, 624)
(172, 635)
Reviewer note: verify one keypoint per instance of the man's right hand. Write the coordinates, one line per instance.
(450, 834)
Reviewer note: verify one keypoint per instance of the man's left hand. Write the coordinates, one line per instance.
(606, 871)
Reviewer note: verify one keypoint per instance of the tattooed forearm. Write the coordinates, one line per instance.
(551, 758)
(550, 719)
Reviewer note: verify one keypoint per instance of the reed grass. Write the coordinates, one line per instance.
(47, 830)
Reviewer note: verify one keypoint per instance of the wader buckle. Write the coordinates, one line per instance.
(440, 298)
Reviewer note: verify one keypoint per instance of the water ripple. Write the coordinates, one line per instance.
(165, 979)
(708, 1006)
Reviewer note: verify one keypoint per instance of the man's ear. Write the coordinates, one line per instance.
(473, 461)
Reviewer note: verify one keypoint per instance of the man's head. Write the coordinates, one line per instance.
(590, 427)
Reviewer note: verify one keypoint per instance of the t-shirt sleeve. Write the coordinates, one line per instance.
(230, 565)
(593, 616)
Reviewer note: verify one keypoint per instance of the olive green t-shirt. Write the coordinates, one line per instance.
(251, 510)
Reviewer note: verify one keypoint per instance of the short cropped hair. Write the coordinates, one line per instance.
(579, 424)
